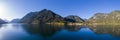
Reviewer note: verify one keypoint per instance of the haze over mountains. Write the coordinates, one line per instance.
(15, 20)
(2, 21)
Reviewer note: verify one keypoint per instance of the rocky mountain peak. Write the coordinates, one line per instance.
(44, 16)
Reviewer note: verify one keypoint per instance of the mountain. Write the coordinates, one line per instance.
(29, 17)
(44, 16)
(113, 17)
(85, 20)
(74, 19)
(15, 21)
(2, 21)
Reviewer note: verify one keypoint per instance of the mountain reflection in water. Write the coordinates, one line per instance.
(114, 30)
(56, 32)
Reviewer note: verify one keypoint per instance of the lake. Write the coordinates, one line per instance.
(14, 31)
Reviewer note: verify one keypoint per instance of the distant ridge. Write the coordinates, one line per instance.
(74, 19)
(2, 21)
(15, 20)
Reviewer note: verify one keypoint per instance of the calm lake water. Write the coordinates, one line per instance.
(53, 32)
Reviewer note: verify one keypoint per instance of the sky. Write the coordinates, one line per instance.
(11, 9)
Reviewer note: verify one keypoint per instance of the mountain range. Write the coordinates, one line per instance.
(113, 17)
(48, 16)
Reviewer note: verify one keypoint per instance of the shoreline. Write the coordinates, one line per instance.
(84, 23)
(57, 23)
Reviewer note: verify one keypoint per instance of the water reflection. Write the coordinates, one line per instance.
(113, 30)
(57, 32)
(74, 28)
(42, 29)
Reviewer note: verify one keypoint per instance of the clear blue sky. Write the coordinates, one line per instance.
(11, 9)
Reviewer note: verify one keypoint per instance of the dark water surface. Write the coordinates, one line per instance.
(54, 32)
